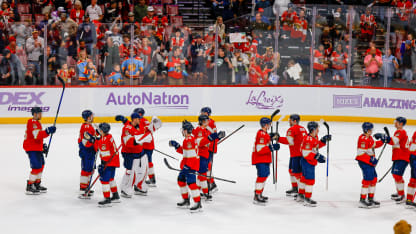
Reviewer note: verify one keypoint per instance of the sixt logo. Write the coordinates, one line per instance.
(22, 101)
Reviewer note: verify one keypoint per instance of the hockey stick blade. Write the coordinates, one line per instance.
(326, 126)
(197, 174)
(274, 114)
(386, 130)
(167, 155)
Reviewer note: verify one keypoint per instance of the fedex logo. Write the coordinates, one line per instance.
(21, 98)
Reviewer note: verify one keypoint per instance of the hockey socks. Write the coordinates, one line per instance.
(259, 187)
(411, 189)
(84, 179)
(399, 184)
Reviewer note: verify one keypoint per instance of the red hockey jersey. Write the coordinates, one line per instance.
(127, 139)
(365, 148)
(212, 127)
(294, 138)
(34, 136)
(261, 151)
(400, 146)
(83, 136)
(108, 149)
(310, 147)
(190, 156)
(201, 134)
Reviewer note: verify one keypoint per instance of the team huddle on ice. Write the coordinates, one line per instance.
(198, 149)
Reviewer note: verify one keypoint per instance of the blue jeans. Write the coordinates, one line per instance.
(342, 73)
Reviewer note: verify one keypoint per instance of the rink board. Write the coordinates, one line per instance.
(229, 103)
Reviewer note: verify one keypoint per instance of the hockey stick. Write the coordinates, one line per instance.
(273, 154)
(238, 129)
(160, 152)
(197, 174)
(327, 154)
(384, 146)
(387, 172)
(93, 170)
(96, 178)
(57, 112)
(276, 153)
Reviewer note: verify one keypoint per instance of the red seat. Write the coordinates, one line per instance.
(176, 20)
(23, 8)
(172, 9)
(26, 17)
(167, 1)
(158, 9)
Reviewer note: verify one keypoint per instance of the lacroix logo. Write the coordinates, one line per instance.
(263, 100)
(22, 101)
(163, 100)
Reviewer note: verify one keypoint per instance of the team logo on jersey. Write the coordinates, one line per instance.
(189, 145)
(35, 126)
(200, 134)
(363, 145)
(103, 147)
(261, 140)
(307, 146)
(126, 133)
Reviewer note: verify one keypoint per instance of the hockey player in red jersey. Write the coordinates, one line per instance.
(294, 138)
(212, 128)
(261, 158)
(411, 187)
(34, 147)
(311, 157)
(401, 158)
(131, 152)
(203, 139)
(86, 151)
(109, 162)
(189, 168)
(367, 162)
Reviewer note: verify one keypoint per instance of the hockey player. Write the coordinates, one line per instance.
(35, 148)
(311, 157)
(212, 149)
(86, 151)
(401, 158)
(203, 140)
(109, 162)
(411, 187)
(148, 148)
(367, 162)
(261, 158)
(131, 152)
(189, 167)
(294, 138)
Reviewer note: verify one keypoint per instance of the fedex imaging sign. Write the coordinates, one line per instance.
(22, 101)
(361, 101)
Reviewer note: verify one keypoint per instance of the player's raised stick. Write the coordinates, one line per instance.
(386, 130)
(273, 155)
(57, 112)
(327, 154)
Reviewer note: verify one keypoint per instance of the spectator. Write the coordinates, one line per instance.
(140, 11)
(115, 77)
(62, 54)
(31, 77)
(217, 7)
(224, 67)
(132, 69)
(263, 18)
(111, 13)
(77, 13)
(116, 36)
(21, 32)
(339, 61)
(292, 73)
(239, 7)
(111, 56)
(321, 72)
(34, 48)
(146, 55)
(87, 33)
(288, 17)
(300, 27)
(67, 25)
(82, 70)
(11, 69)
(92, 74)
(256, 74)
(407, 62)
(373, 44)
(210, 37)
(176, 67)
(368, 25)
(12, 45)
(390, 65)
(94, 11)
(198, 59)
(372, 63)
(150, 19)
(65, 74)
(177, 40)
(158, 69)
(51, 66)
(240, 68)
(258, 24)
(221, 28)
(402, 227)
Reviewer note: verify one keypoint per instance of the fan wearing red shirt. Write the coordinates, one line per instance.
(261, 157)
(189, 168)
(110, 160)
(367, 162)
(311, 157)
(34, 147)
(294, 138)
(400, 157)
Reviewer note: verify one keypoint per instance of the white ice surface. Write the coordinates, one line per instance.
(231, 211)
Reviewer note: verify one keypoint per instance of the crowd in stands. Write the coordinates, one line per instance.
(144, 42)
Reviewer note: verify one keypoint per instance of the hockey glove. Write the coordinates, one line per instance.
(121, 118)
(213, 136)
(45, 148)
(326, 138)
(373, 160)
(221, 134)
(50, 130)
(274, 136)
(89, 137)
(379, 136)
(174, 144)
(320, 158)
(274, 147)
(387, 139)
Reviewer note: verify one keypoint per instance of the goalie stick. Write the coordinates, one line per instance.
(57, 112)
(197, 174)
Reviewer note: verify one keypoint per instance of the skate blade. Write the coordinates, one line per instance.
(140, 194)
(152, 185)
(364, 207)
(182, 207)
(116, 201)
(196, 211)
(400, 202)
(309, 205)
(84, 197)
(374, 206)
(126, 196)
(31, 193)
(409, 207)
(43, 191)
(104, 206)
(259, 203)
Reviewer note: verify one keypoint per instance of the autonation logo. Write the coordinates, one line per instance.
(22, 101)
(359, 101)
(163, 100)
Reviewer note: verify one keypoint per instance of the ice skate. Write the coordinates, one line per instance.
(83, 195)
(124, 194)
(399, 199)
(184, 204)
(394, 196)
(373, 203)
(300, 198)
(139, 192)
(115, 198)
(151, 182)
(258, 200)
(31, 189)
(292, 192)
(410, 204)
(213, 188)
(309, 202)
(364, 204)
(105, 203)
(196, 208)
(206, 196)
(40, 187)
